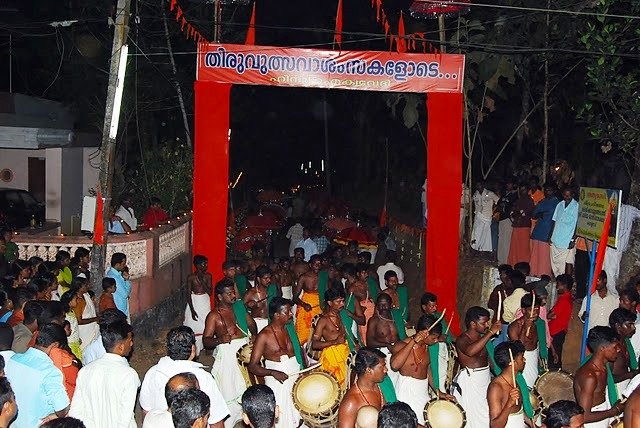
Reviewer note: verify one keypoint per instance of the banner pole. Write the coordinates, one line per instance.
(585, 329)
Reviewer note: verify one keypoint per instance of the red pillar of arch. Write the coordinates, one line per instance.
(211, 172)
(444, 188)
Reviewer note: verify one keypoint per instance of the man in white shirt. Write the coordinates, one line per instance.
(106, 389)
(310, 248)
(390, 265)
(125, 212)
(294, 234)
(95, 349)
(181, 351)
(177, 383)
(628, 214)
(483, 200)
(602, 304)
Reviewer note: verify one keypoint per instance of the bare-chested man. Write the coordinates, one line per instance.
(590, 382)
(632, 410)
(357, 291)
(351, 256)
(370, 369)
(624, 369)
(285, 278)
(474, 376)
(330, 337)
(280, 352)
(307, 298)
(524, 329)
(382, 331)
(257, 298)
(299, 266)
(258, 256)
(198, 298)
(410, 358)
(503, 395)
(227, 329)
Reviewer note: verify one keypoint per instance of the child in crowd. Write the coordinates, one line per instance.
(559, 318)
(69, 302)
(106, 299)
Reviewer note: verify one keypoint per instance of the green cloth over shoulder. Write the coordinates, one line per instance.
(240, 313)
(297, 349)
(241, 283)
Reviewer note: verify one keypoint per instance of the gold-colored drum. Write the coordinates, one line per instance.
(453, 365)
(317, 396)
(554, 386)
(351, 364)
(444, 414)
(618, 422)
(243, 356)
(536, 402)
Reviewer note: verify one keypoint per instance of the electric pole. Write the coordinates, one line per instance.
(109, 132)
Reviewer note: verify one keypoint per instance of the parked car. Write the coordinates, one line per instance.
(18, 207)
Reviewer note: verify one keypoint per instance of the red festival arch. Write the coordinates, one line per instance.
(439, 75)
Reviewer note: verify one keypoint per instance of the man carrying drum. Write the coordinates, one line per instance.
(279, 346)
(503, 394)
(228, 328)
(474, 376)
(331, 337)
(309, 301)
(410, 359)
(382, 331)
(531, 331)
(370, 367)
(257, 298)
(625, 367)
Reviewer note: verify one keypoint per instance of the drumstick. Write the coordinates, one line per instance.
(513, 370)
(308, 369)
(246, 333)
(498, 315)
(533, 302)
(438, 320)
(448, 325)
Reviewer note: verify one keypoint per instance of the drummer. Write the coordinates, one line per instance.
(258, 256)
(280, 348)
(382, 331)
(284, 277)
(307, 298)
(257, 298)
(370, 367)
(429, 306)
(398, 293)
(227, 328)
(299, 267)
(532, 333)
(503, 394)
(411, 360)
(626, 365)
(474, 377)
(330, 337)
(367, 298)
(590, 382)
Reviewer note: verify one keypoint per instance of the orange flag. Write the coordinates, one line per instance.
(251, 33)
(337, 37)
(602, 248)
(401, 44)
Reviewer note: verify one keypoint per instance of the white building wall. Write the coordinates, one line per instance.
(17, 161)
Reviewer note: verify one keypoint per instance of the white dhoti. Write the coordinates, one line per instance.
(599, 408)
(560, 257)
(229, 378)
(516, 420)
(530, 372)
(632, 384)
(289, 416)
(623, 386)
(414, 392)
(393, 375)
(473, 384)
(443, 365)
(481, 233)
(261, 323)
(202, 307)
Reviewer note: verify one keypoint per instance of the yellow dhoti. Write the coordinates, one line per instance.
(334, 360)
(304, 318)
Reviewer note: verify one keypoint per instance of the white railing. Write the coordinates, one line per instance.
(172, 244)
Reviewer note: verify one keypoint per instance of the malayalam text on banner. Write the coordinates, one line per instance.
(593, 209)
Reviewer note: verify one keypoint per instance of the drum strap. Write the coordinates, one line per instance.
(433, 363)
(541, 330)
(388, 391)
(398, 320)
(240, 313)
(633, 358)
(241, 283)
(297, 349)
(347, 322)
(524, 392)
(403, 298)
(373, 289)
(272, 291)
(323, 282)
(612, 389)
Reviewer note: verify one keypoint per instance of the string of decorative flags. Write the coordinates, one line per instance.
(189, 30)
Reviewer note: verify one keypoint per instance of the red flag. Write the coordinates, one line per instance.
(337, 37)
(251, 32)
(401, 44)
(98, 225)
(383, 216)
(173, 4)
(602, 248)
(179, 14)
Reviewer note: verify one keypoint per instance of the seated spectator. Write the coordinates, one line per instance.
(190, 409)
(8, 406)
(23, 332)
(125, 212)
(390, 265)
(259, 409)
(162, 418)
(116, 224)
(154, 215)
(106, 389)
(181, 350)
(43, 396)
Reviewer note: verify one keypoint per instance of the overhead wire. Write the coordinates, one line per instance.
(60, 64)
